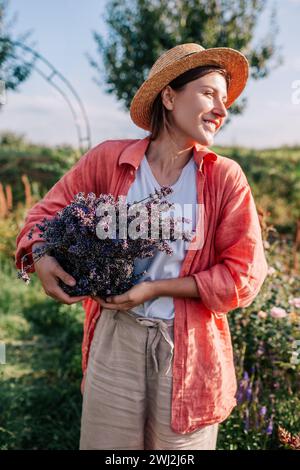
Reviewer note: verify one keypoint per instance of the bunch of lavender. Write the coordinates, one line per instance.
(104, 265)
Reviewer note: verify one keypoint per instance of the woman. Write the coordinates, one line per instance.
(157, 360)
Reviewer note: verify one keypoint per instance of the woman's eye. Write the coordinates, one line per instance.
(209, 93)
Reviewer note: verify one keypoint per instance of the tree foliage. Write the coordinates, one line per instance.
(141, 30)
(14, 68)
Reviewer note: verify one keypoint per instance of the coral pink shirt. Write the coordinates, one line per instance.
(228, 264)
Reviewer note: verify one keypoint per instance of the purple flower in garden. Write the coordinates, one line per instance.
(244, 391)
(246, 376)
(260, 417)
(248, 393)
(269, 429)
(246, 419)
(240, 394)
(263, 411)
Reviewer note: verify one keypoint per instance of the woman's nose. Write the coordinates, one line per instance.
(220, 109)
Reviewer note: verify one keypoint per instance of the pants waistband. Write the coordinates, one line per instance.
(162, 326)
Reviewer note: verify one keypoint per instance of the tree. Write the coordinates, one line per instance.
(13, 68)
(141, 30)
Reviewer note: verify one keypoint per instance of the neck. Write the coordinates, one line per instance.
(167, 155)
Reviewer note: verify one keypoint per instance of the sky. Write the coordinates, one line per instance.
(62, 34)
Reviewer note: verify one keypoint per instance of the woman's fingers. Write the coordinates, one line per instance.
(111, 306)
(57, 293)
(50, 272)
(99, 300)
(64, 276)
(62, 297)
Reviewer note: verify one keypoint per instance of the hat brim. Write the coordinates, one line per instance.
(233, 61)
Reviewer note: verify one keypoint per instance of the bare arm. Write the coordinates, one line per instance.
(179, 287)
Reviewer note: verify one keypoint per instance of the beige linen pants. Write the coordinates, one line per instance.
(128, 388)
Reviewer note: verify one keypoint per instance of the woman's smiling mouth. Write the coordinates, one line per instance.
(210, 125)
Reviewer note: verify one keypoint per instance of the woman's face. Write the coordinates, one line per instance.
(193, 109)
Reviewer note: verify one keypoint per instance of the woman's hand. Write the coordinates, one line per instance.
(49, 272)
(138, 294)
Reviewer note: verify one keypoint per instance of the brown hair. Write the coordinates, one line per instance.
(159, 115)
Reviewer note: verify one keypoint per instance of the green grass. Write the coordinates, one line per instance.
(40, 404)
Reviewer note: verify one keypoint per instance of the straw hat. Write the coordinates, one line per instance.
(178, 60)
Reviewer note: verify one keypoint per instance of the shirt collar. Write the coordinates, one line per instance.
(134, 153)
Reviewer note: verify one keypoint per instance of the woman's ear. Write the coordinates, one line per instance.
(167, 97)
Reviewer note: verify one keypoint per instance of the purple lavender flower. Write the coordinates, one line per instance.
(246, 419)
(240, 394)
(269, 429)
(164, 191)
(246, 376)
(263, 411)
(244, 389)
(24, 276)
(101, 265)
(248, 393)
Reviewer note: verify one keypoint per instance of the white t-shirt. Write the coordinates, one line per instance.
(162, 265)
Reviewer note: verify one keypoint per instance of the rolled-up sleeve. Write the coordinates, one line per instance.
(241, 268)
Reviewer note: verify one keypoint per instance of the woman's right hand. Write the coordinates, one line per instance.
(49, 272)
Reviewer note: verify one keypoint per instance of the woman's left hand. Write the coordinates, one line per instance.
(138, 294)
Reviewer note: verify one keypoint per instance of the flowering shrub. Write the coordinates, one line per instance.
(97, 240)
(266, 343)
